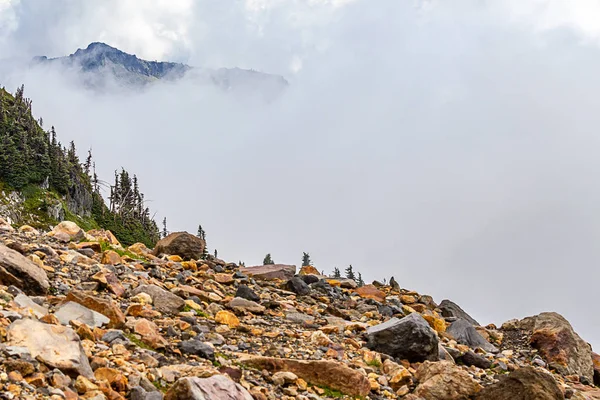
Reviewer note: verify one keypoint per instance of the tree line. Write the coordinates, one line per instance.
(33, 157)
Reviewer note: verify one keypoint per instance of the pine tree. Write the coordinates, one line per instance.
(336, 273)
(216, 254)
(305, 259)
(350, 273)
(268, 260)
(87, 166)
(165, 232)
(360, 282)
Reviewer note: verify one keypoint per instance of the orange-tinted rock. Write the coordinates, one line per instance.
(114, 378)
(309, 270)
(111, 257)
(104, 235)
(140, 249)
(225, 279)
(67, 231)
(227, 318)
(149, 333)
(103, 306)
(90, 245)
(444, 380)
(332, 374)
(371, 292)
(524, 383)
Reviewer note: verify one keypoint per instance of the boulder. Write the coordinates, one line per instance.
(444, 380)
(245, 292)
(55, 345)
(410, 338)
(181, 244)
(453, 310)
(466, 334)
(523, 384)
(242, 305)
(104, 306)
(17, 270)
(371, 292)
(269, 272)
(217, 387)
(163, 300)
(477, 360)
(553, 336)
(197, 348)
(331, 374)
(298, 286)
(67, 231)
(71, 311)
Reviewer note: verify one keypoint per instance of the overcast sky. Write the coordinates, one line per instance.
(453, 145)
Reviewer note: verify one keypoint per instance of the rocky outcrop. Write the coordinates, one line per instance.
(444, 380)
(523, 384)
(216, 387)
(21, 272)
(559, 344)
(269, 272)
(55, 345)
(182, 244)
(331, 374)
(410, 338)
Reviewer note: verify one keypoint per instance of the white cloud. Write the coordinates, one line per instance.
(437, 142)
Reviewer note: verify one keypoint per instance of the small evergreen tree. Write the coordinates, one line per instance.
(165, 232)
(268, 260)
(336, 273)
(350, 273)
(360, 280)
(216, 254)
(305, 260)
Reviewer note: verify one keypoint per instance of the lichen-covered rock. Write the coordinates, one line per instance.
(269, 272)
(559, 344)
(163, 300)
(523, 384)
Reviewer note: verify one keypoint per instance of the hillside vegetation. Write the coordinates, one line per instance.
(42, 181)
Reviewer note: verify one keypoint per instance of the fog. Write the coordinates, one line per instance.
(453, 146)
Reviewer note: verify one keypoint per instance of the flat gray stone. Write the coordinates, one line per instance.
(74, 311)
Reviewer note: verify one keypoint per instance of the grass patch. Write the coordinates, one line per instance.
(374, 363)
(329, 392)
(133, 339)
(160, 387)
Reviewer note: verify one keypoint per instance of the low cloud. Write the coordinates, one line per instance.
(451, 146)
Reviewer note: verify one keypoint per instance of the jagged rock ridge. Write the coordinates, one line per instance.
(100, 65)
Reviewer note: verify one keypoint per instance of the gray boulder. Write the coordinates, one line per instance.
(410, 338)
(182, 244)
(466, 334)
(453, 310)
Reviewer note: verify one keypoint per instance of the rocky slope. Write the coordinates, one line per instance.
(100, 65)
(83, 317)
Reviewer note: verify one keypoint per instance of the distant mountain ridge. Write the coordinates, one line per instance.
(100, 65)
